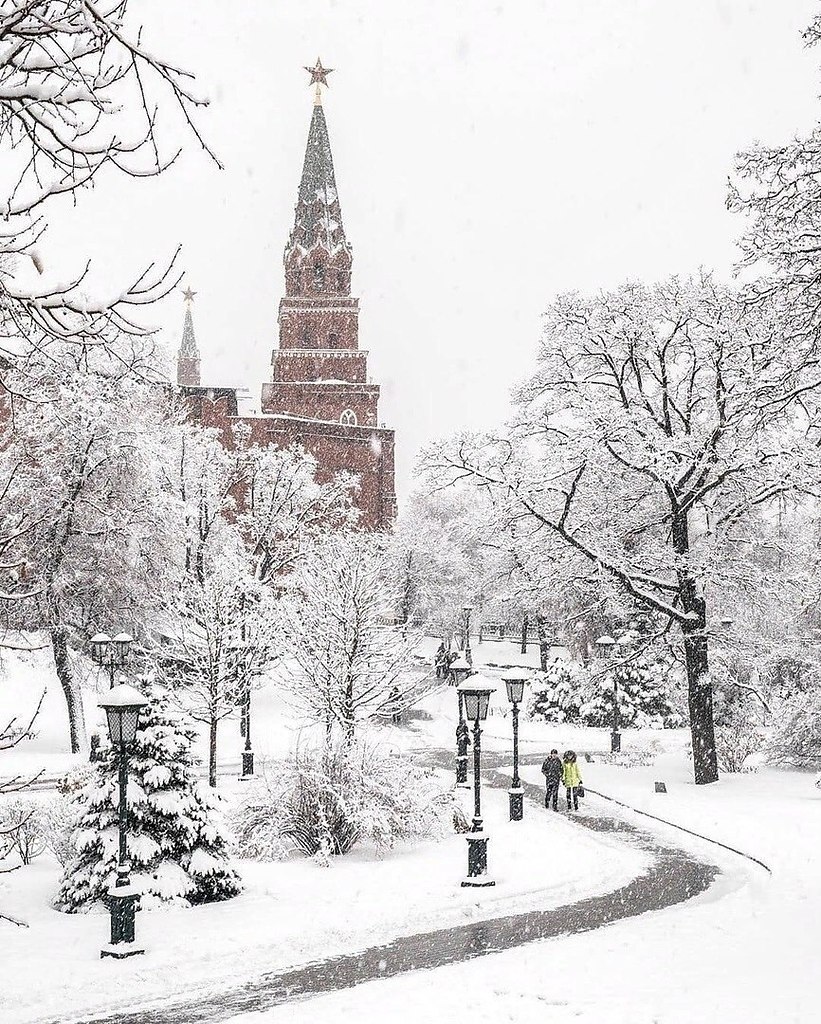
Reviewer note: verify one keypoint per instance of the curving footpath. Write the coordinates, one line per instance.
(674, 876)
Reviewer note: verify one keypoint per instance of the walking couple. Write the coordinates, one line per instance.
(562, 771)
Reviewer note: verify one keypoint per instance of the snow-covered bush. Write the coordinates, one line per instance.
(557, 694)
(175, 840)
(634, 756)
(796, 737)
(21, 820)
(59, 817)
(322, 802)
(568, 692)
(735, 744)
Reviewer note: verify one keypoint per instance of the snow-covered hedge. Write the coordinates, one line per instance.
(568, 692)
(324, 801)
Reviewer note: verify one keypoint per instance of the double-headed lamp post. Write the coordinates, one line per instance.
(606, 644)
(476, 691)
(122, 705)
(461, 670)
(467, 610)
(515, 686)
(111, 651)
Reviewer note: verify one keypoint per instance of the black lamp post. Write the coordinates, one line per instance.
(110, 651)
(515, 685)
(460, 670)
(468, 655)
(606, 645)
(122, 706)
(476, 692)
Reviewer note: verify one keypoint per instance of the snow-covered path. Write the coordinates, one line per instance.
(673, 877)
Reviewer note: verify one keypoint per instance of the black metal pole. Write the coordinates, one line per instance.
(111, 670)
(516, 780)
(122, 863)
(516, 797)
(477, 780)
(615, 735)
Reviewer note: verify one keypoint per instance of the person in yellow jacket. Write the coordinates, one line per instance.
(571, 778)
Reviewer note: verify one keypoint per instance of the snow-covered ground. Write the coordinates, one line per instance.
(744, 951)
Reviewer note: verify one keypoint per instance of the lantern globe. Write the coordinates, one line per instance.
(122, 641)
(476, 691)
(515, 686)
(99, 645)
(122, 705)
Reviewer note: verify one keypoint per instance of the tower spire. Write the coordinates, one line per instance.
(188, 356)
(318, 256)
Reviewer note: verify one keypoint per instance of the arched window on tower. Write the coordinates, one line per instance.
(333, 338)
(319, 275)
(348, 418)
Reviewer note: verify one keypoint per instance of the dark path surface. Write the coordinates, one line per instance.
(674, 876)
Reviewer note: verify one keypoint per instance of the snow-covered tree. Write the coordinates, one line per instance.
(86, 534)
(661, 421)
(81, 97)
(175, 840)
(778, 188)
(218, 636)
(344, 657)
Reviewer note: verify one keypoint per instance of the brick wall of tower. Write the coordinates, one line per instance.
(315, 401)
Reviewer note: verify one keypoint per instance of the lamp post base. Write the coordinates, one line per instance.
(122, 905)
(121, 950)
(615, 742)
(516, 797)
(477, 876)
(247, 764)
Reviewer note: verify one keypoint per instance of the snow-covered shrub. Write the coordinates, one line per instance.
(59, 818)
(557, 694)
(735, 743)
(21, 822)
(75, 779)
(634, 756)
(175, 840)
(796, 737)
(322, 802)
(567, 692)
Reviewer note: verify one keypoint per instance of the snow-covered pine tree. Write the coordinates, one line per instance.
(175, 840)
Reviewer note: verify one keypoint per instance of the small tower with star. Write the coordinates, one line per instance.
(188, 356)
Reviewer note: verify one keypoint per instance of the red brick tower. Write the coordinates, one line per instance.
(319, 394)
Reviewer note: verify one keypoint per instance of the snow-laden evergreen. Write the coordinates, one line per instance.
(569, 692)
(175, 839)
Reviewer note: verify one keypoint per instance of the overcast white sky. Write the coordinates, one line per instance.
(488, 155)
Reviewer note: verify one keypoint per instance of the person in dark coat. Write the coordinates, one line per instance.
(441, 661)
(552, 771)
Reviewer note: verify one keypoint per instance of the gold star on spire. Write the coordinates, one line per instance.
(188, 295)
(319, 75)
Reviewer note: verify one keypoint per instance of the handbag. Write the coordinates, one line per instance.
(580, 790)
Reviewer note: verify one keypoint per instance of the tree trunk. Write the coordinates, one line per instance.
(212, 753)
(544, 646)
(71, 691)
(699, 685)
(524, 635)
(700, 700)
